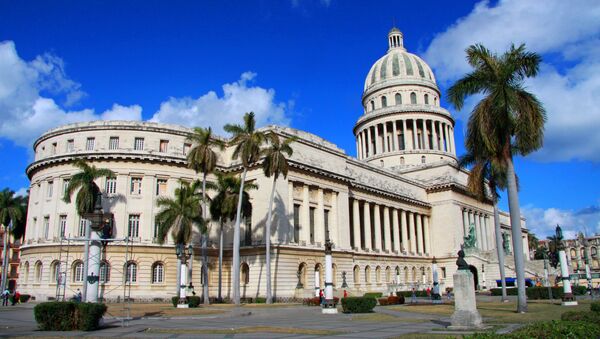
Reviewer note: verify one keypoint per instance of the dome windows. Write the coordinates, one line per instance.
(383, 101)
(372, 105)
(398, 99)
(413, 98)
(426, 98)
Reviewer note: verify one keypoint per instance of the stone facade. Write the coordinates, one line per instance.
(389, 212)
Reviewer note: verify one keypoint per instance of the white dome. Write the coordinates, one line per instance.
(399, 67)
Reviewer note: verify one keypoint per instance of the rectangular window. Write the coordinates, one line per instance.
(136, 186)
(111, 185)
(312, 225)
(70, 145)
(89, 144)
(113, 143)
(248, 231)
(296, 223)
(138, 145)
(50, 188)
(161, 187)
(62, 225)
(53, 148)
(46, 227)
(65, 186)
(443, 272)
(133, 227)
(326, 223)
(82, 227)
(164, 146)
(155, 230)
(186, 148)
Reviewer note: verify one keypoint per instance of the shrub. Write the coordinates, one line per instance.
(260, 300)
(595, 307)
(193, 301)
(592, 317)
(408, 294)
(373, 295)
(314, 301)
(175, 301)
(540, 292)
(68, 316)
(358, 304)
(393, 300)
(556, 329)
(24, 298)
(383, 301)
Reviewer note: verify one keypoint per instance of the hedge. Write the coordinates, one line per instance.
(24, 298)
(358, 304)
(192, 301)
(373, 295)
(68, 316)
(408, 294)
(540, 292)
(592, 317)
(555, 329)
(595, 307)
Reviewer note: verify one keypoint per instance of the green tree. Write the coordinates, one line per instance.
(275, 163)
(248, 142)
(11, 211)
(84, 182)
(508, 121)
(223, 209)
(179, 215)
(203, 159)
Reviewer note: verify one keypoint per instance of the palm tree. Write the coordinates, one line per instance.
(11, 212)
(487, 172)
(223, 208)
(275, 163)
(88, 190)
(248, 143)
(178, 215)
(508, 121)
(203, 159)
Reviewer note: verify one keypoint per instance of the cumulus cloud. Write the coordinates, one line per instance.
(566, 34)
(543, 221)
(215, 111)
(27, 97)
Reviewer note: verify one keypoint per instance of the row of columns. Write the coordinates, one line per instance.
(484, 231)
(409, 230)
(394, 135)
(318, 220)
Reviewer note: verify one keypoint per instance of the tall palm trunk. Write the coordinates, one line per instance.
(219, 295)
(204, 243)
(500, 249)
(236, 244)
(515, 222)
(268, 242)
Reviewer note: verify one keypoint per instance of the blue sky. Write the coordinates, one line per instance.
(300, 63)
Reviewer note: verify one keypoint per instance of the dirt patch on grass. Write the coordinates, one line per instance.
(157, 310)
(241, 330)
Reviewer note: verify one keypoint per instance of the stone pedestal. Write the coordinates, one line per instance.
(465, 314)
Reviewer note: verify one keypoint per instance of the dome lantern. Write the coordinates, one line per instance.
(395, 39)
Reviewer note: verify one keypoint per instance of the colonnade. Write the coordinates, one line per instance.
(317, 215)
(399, 135)
(484, 229)
(387, 229)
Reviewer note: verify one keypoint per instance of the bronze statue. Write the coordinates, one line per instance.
(460, 262)
(471, 239)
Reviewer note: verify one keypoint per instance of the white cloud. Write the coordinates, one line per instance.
(211, 110)
(26, 110)
(543, 221)
(566, 31)
(21, 192)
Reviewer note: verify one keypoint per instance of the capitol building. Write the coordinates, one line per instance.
(392, 211)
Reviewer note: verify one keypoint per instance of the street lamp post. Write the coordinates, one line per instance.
(568, 298)
(329, 307)
(183, 254)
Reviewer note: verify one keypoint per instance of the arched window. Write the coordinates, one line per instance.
(426, 99)
(245, 274)
(414, 274)
(368, 274)
(423, 159)
(158, 273)
(429, 275)
(582, 252)
(356, 275)
(38, 271)
(54, 272)
(383, 101)
(372, 105)
(78, 271)
(131, 272)
(302, 270)
(434, 101)
(104, 272)
(573, 253)
(378, 274)
(413, 98)
(405, 275)
(320, 274)
(388, 275)
(398, 99)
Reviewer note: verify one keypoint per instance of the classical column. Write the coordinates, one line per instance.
(395, 146)
(333, 220)
(320, 218)
(492, 232)
(305, 220)
(426, 135)
(377, 141)
(396, 228)
(465, 222)
(357, 148)
(415, 143)
(486, 235)
(356, 222)
(450, 142)
(377, 227)
(419, 234)
(367, 225)
(403, 134)
(478, 230)
(385, 138)
(363, 142)
(426, 234)
(369, 142)
(404, 226)
(386, 229)
(291, 233)
(411, 229)
(443, 135)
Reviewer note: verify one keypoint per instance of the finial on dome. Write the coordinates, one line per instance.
(395, 39)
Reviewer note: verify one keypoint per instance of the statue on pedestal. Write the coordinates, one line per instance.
(461, 262)
(471, 239)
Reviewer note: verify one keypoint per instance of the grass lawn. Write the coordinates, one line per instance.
(252, 329)
(505, 312)
(381, 317)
